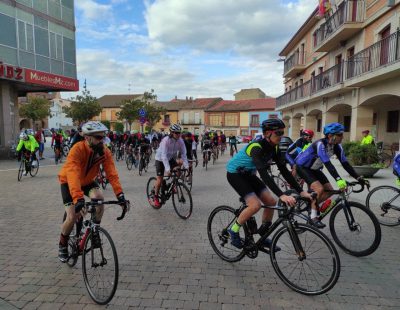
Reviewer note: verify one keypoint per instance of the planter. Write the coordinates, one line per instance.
(366, 171)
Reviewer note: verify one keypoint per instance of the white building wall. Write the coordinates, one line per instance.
(58, 118)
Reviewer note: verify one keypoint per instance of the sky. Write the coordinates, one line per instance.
(184, 48)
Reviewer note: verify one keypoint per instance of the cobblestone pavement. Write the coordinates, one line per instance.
(165, 262)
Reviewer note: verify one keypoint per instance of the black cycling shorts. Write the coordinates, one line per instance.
(66, 195)
(245, 184)
(160, 166)
(311, 176)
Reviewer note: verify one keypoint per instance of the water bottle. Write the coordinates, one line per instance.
(325, 205)
(252, 225)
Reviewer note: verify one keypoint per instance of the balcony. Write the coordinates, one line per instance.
(340, 26)
(191, 122)
(294, 65)
(377, 62)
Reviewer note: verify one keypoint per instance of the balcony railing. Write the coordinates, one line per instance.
(348, 12)
(191, 121)
(380, 54)
(295, 60)
(329, 78)
(300, 92)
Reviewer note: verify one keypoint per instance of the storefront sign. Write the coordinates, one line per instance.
(51, 80)
(11, 73)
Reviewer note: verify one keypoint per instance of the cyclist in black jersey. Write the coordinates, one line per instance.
(242, 177)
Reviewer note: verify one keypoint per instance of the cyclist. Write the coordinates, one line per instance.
(396, 168)
(223, 141)
(78, 136)
(367, 138)
(56, 141)
(166, 157)
(145, 147)
(77, 178)
(207, 147)
(241, 175)
(27, 146)
(233, 143)
(298, 146)
(310, 163)
(194, 146)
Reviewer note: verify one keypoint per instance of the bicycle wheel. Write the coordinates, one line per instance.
(72, 250)
(129, 162)
(21, 169)
(182, 200)
(150, 191)
(282, 184)
(317, 272)
(220, 219)
(385, 159)
(100, 266)
(189, 182)
(360, 238)
(213, 159)
(34, 168)
(65, 150)
(384, 202)
(141, 165)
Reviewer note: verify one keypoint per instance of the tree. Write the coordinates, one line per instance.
(107, 124)
(119, 127)
(83, 107)
(153, 115)
(36, 109)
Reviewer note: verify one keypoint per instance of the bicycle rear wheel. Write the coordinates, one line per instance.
(360, 237)
(219, 221)
(317, 272)
(129, 162)
(384, 202)
(182, 200)
(151, 191)
(34, 167)
(385, 159)
(100, 266)
(141, 166)
(21, 169)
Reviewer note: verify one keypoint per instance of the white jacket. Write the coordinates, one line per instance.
(168, 150)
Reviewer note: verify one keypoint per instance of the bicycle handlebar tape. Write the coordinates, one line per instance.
(79, 205)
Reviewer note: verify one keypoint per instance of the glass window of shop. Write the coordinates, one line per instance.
(41, 41)
(8, 31)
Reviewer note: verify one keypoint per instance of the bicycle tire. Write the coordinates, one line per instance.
(34, 170)
(189, 184)
(65, 150)
(141, 164)
(377, 201)
(370, 218)
(150, 191)
(21, 169)
(219, 237)
(311, 262)
(182, 195)
(90, 252)
(385, 159)
(72, 250)
(129, 162)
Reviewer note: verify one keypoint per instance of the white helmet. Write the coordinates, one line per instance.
(91, 128)
(175, 128)
(23, 136)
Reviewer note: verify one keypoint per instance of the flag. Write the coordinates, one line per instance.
(322, 8)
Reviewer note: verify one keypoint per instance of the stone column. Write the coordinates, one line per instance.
(287, 124)
(295, 125)
(361, 119)
(8, 106)
(310, 122)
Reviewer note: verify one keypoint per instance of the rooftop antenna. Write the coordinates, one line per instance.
(129, 88)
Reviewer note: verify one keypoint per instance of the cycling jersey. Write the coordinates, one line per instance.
(188, 145)
(82, 167)
(206, 144)
(295, 149)
(144, 145)
(318, 155)
(30, 144)
(169, 147)
(232, 140)
(255, 157)
(396, 165)
(57, 139)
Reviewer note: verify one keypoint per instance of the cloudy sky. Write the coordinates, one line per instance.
(207, 48)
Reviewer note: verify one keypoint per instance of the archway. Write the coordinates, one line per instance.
(296, 125)
(341, 113)
(286, 120)
(313, 121)
(24, 124)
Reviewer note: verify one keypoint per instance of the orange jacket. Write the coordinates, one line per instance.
(81, 169)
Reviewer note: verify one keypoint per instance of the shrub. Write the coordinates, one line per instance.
(119, 127)
(360, 155)
(348, 145)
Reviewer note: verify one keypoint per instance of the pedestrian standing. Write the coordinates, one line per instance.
(41, 140)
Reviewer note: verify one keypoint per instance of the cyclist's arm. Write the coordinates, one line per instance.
(289, 152)
(183, 154)
(19, 146)
(33, 144)
(343, 160)
(262, 168)
(111, 172)
(164, 155)
(280, 163)
(73, 173)
(323, 155)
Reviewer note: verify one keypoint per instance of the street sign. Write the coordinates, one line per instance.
(142, 120)
(142, 112)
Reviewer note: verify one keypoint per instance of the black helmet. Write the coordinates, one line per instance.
(272, 124)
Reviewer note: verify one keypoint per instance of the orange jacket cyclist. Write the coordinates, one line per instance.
(77, 178)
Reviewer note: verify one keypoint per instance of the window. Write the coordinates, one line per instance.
(319, 125)
(244, 132)
(255, 120)
(231, 119)
(374, 118)
(392, 121)
(41, 41)
(215, 120)
(197, 118)
(114, 115)
(8, 31)
(69, 50)
(347, 123)
(275, 116)
(166, 118)
(21, 35)
(103, 115)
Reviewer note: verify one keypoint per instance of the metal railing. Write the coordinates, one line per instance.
(302, 91)
(329, 78)
(350, 11)
(296, 59)
(382, 53)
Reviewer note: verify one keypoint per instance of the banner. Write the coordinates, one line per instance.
(51, 80)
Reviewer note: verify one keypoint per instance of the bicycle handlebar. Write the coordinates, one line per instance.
(351, 185)
(125, 209)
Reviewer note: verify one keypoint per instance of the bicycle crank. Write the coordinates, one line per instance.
(251, 249)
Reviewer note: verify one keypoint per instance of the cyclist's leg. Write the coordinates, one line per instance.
(160, 173)
(68, 223)
(93, 192)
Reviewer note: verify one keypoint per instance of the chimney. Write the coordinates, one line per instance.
(176, 97)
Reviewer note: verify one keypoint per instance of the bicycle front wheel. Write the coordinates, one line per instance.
(281, 183)
(319, 268)
(384, 202)
(34, 167)
(21, 169)
(182, 200)
(100, 266)
(141, 166)
(355, 229)
(129, 162)
(151, 191)
(219, 221)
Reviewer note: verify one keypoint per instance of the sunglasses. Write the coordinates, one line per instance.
(98, 137)
(339, 134)
(279, 133)
(175, 132)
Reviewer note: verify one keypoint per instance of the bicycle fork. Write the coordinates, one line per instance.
(295, 240)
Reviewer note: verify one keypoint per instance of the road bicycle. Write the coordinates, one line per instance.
(65, 148)
(131, 157)
(143, 162)
(187, 178)
(223, 148)
(32, 166)
(175, 188)
(383, 157)
(353, 226)
(119, 153)
(206, 157)
(307, 260)
(384, 202)
(101, 178)
(57, 154)
(100, 267)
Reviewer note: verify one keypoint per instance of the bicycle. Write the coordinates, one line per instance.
(383, 157)
(206, 157)
(384, 202)
(349, 219)
(187, 178)
(98, 252)
(29, 165)
(57, 154)
(223, 147)
(119, 154)
(181, 197)
(303, 247)
(101, 178)
(65, 148)
(143, 162)
(213, 156)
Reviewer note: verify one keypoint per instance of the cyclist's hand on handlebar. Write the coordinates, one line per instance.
(80, 204)
(363, 182)
(342, 184)
(124, 205)
(289, 200)
(311, 196)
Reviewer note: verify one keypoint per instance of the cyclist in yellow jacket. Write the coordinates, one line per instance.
(27, 146)
(367, 138)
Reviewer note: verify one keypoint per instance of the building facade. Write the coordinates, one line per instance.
(345, 68)
(250, 93)
(58, 119)
(37, 54)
